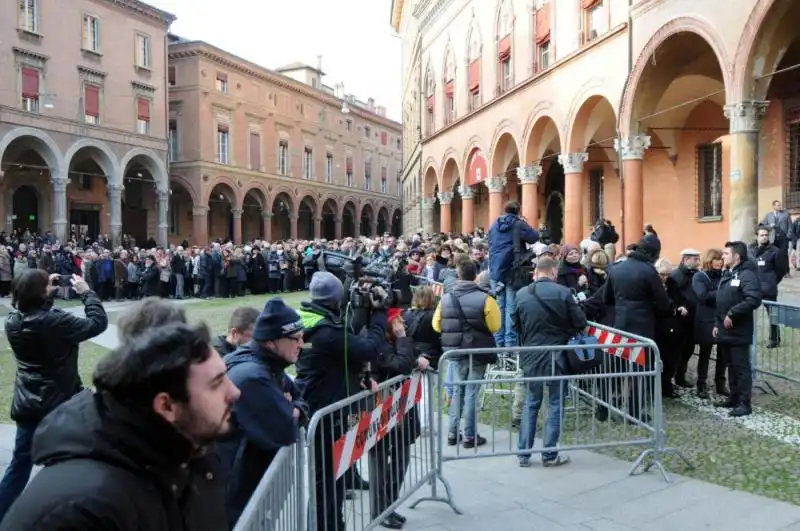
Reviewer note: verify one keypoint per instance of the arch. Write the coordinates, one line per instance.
(448, 64)
(448, 154)
(225, 187)
(450, 175)
(474, 41)
(504, 149)
(430, 181)
(593, 87)
(474, 143)
(43, 144)
(383, 223)
(767, 36)
(105, 158)
(307, 213)
(544, 134)
(152, 162)
(504, 19)
(594, 116)
(26, 206)
(675, 26)
(284, 195)
(186, 185)
(329, 214)
(430, 81)
(259, 193)
(309, 200)
(367, 219)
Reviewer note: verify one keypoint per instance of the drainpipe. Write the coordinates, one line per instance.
(619, 126)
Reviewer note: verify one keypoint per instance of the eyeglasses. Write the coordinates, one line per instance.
(296, 339)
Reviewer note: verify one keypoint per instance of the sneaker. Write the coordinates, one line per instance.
(524, 462)
(472, 443)
(558, 461)
(452, 440)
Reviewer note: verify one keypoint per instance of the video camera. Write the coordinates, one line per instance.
(360, 278)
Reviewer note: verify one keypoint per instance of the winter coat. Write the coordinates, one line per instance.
(427, 341)
(501, 244)
(473, 301)
(705, 284)
(767, 259)
(738, 297)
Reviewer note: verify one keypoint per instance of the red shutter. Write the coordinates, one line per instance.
(429, 103)
(223, 128)
(504, 48)
(589, 4)
(349, 165)
(144, 109)
(30, 83)
(171, 76)
(384, 138)
(474, 75)
(255, 151)
(222, 77)
(449, 88)
(543, 24)
(91, 101)
(383, 173)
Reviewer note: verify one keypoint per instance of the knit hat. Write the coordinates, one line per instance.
(393, 313)
(275, 321)
(326, 289)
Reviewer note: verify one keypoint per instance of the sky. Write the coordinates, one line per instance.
(353, 36)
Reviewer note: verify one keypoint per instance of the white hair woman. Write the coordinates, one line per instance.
(667, 328)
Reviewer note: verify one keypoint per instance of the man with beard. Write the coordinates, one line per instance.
(270, 410)
(132, 455)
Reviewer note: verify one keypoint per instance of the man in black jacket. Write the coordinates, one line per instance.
(768, 258)
(134, 454)
(45, 342)
(738, 297)
(682, 275)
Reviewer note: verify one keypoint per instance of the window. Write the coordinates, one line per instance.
(308, 163)
(142, 51)
(449, 103)
(329, 168)
(544, 56)
(91, 33)
(283, 157)
(383, 180)
(597, 194)
(398, 143)
(28, 17)
(399, 188)
(349, 171)
(595, 19)
(223, 144)
(542, 20)
(255, 150)
(791, 186)
(173, 141)
(504, 64)
(430, 102)
(474, 74)
(143, 116)
(91, 104)
(367, 131)
(368, 173)
(349, 125)
(384, 138)
(85, 183)
(30, 89)
(174, 216)
(171, 75)
(222, 83)
(709, 180)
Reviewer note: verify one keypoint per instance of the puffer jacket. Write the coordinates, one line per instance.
(45, 343)
(473, 302)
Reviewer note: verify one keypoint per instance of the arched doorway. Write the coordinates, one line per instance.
(456, 208)
(397, 223)
(329, 210)
(349, 220)
(140, 200)
(367, 215)
(383, 221)
(554, 200)
(181, 213)
(221, 203)
(253, 206)
(437, 211)
(25, 210)
(282, 208)
(306, 214)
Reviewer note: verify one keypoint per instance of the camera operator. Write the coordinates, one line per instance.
(332, 369)
(45, 343)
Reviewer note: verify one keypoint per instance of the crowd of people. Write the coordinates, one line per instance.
(179, 427)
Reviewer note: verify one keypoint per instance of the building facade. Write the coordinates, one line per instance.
(256, 153)
(677, 113)
(83, 107)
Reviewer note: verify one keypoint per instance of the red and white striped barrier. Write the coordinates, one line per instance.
(636, 355)
(375, 425)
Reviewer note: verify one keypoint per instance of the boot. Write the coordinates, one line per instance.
(729, 403)
(721, 388)
(702, 391)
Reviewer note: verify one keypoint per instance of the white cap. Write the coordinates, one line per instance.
(690, 252)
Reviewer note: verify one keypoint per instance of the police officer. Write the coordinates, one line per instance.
(738, 297)
(768, 258)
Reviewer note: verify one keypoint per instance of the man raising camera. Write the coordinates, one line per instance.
(332, 369)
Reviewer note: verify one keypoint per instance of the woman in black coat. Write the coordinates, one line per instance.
(705, 283)
(419, 325)
(668, 329)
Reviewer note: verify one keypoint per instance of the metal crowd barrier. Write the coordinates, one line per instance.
(384, 427)
(278, 502)
(776, 342)
(437, 287)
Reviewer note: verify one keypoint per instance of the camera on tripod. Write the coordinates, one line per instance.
(361, 278)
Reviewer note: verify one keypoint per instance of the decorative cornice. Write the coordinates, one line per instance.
(89, 71)
(431, 15)
(29, 53)
(145, 10)
(143, 87)
(746, 116)
(186, 50)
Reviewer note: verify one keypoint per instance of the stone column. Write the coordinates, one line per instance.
(631, 150)
(745, 120)
(573, 195)
(445, 219)
(115, 209)
(427, 214)
(199, 225)
(496, 186)
(236, 214)
(529, 177)
(266, 225)
(293, 226)
(467, 194)
(162, 210)
(317, 227)
(338, 223)
(60, 181)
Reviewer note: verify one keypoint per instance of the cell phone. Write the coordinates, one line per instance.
(63, 281)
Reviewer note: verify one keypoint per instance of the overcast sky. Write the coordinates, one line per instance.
(353, 37)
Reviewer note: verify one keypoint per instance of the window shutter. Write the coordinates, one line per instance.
(222, 77)
(504, 49)
(543, 25)
(144, 109)
(474, 75)
(30, 83)
(91, 102)
(171, 75)
(383, 173)
(349, 165)
(449, 88)
(589, 4)
(255, 151)
(384, 138)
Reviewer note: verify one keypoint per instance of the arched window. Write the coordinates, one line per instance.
(474, 61)
(505, 30)
(449, 88)
(430, 101)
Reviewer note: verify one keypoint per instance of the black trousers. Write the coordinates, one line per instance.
(329, 490)
(741, 372)
(686, 347)
(388, 462)
(719, 369)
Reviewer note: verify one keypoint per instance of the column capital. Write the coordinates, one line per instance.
(115, 188)
(632, 147)
(529, 174)
(317, 219)
(266, 214)
(162, 195)
(746, 116)
(428, 202)
(573, 162)
(199, 211)
(60, 185)
(236, 213)
(466, 192)
(496, 184)
(445, 198)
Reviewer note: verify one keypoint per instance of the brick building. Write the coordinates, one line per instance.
(278, 154)
(83, 106)
(680, 113)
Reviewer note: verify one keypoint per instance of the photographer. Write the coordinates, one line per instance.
(45, 343)
(332, 369)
